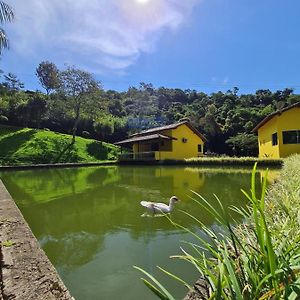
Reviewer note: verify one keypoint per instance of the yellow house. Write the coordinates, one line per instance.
(279, 133)
(176, 141)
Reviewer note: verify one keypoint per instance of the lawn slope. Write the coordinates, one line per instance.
(33, 146)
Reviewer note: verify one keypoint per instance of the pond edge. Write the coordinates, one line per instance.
(25, 270)
(219, 161)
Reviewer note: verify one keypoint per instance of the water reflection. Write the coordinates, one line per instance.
(88, 217)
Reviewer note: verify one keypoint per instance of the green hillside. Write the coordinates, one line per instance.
(32, 146)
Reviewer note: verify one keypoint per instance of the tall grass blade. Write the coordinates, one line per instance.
(155, 290)
(208, 207)
(232, 275)
(164, 291)
(175, 277)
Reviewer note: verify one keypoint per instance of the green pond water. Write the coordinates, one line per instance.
(89, 222)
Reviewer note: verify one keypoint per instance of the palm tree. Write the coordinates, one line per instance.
(6, 15)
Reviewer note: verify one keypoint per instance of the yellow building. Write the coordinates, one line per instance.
(175, 141)
(279, 133)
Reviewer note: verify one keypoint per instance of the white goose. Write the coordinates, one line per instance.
(155, 207)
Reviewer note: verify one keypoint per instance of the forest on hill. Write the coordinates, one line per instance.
(75, 102)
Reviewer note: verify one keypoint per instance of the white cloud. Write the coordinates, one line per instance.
(225, 80)
(102, 34)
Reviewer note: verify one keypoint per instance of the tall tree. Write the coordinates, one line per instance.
(6, 15)
(81, 91)
(38, 107)
(12, 83)
(47, 73)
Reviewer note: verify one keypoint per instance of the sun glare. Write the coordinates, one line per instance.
(142, 1)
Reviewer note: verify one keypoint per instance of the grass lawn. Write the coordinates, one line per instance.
(33, 146)
(234, 161)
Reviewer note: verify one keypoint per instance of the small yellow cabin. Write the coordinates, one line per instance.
(279, 133)
(176, 141)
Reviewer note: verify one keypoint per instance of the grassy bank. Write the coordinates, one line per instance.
(259, 259)
(212, 161)
(234, 161)
(283, 204)
(31, 146)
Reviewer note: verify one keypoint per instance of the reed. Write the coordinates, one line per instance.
(258, 259)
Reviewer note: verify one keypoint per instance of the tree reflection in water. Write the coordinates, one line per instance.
(88, 220)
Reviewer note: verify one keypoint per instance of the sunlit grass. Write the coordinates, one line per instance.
(226, 160)
(33, 146)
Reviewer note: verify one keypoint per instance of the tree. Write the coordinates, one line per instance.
(104, 128)
(47, 73)
(6, 15)
(12, 83)
(37, 107)
(243, 144)
(80, 90)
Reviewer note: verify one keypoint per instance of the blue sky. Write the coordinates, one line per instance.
(207, 45)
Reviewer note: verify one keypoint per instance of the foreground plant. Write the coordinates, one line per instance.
(246, 261)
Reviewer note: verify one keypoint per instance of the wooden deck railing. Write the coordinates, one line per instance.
(137, 156)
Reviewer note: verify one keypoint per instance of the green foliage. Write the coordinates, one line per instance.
(244, 144)
(13, 83)
(233, 161)
(78, 103)
(8, 243)
(80, 90)
(259, 259)
(100, 151)
(104, 128)
(160, 290)
(283, 202)
(29, 146)
(6, 15)
(37, 107)
(48, 75)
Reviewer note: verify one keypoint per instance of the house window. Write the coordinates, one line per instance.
(291, 137)
(155, 147)
(200, 148)
(274, 139)
(184, 140)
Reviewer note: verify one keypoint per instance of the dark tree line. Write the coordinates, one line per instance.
(74, 102)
